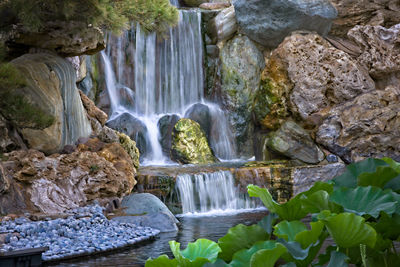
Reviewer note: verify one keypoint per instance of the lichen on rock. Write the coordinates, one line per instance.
(190, 145)
(130, 147)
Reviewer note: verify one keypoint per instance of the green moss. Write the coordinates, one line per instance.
(14, 106)
(130, 147)
(262, 100)
(94, 169)
(189, 144)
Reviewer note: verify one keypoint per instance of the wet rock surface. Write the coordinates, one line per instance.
(190, 145)
(223, 26)
(87, 231)
(165, 126)
(268, 22)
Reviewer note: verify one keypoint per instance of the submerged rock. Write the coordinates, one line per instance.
(52, 88)
(190, 145)
(292, 141)
(268, 22)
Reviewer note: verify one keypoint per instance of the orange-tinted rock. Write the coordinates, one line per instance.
(92, 110)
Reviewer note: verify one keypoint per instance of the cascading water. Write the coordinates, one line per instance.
(211, 192)
(148, 76)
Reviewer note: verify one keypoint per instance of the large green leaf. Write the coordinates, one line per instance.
(395, 165)
(268, 221)
(349, 177)
(291, 210)
(196, 254)
(267, 257)
(217, 263)
(338, 259)
(364, 200)
(295, 251)
(379, 178)
(162, 261)
(243, 257)
(318, 186)
(319, 201)
(306, 238)
(238, 238)
(349, 230)
(289, 230)
(388, 226)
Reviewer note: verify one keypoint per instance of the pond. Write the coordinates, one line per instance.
(191, 228)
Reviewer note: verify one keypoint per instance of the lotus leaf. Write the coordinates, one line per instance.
(291, 210)
(364, 200)
(238, 238)
(244, 256)
(349, 230)
(163, 260)
(267, 257)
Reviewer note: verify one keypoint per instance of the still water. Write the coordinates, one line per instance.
(191, 228)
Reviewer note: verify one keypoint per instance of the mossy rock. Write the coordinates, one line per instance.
(190, 145)
(130, 147)
(15, 106)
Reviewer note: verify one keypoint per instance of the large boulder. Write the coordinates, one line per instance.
(147, 210)
(380, 49)
(268, 22)
(57, 183)
(368, 126)
(131, 126)
(241, 67)
(189, 144)
(223, 26)
(200, 113)
(316, 74)
(67, 38)
(364, 12)
(51, 93)
(165, 126)
(292, 141)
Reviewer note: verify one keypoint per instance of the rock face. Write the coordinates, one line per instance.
(242, 64)
(153, 210)
(364, 12)
(165, 126)
(194, 3)
(368, 126)
(189, 144)
(133, 127)
(9, 137)
(68, 39)
(317, 74)
(223, 26)
(380, 49)
(268, 22)
(57, 183)
(51, 86)
(292, 141)
(92, 110)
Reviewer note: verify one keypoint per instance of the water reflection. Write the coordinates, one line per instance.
(191, 228)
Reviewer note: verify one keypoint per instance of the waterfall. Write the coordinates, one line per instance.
(211, 192)
(148, 76)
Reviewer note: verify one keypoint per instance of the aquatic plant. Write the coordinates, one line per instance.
(359, 210)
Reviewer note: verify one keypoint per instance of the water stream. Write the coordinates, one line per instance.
(148, 76)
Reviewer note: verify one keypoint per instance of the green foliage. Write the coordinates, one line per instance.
(15, 107)
(115, 15)
(353, 209)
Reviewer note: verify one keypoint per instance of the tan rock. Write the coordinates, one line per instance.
(364, 12)
(319, 74)
(57, 183)
(368, 126)
(92, 110)
(213, 6)
(380, 48)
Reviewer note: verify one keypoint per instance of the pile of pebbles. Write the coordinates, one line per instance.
(85, 232)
